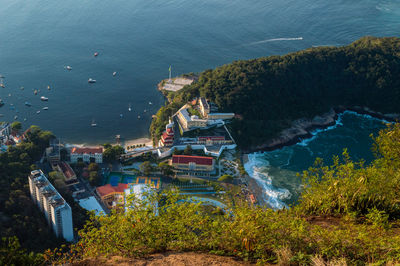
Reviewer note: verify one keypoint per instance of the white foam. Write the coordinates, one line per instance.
(254, 167)
(277, 40)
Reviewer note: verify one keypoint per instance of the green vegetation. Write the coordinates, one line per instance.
(226, 179)
(146, 168)
(112, 153)
(301, 84)
(348, 213)
(16, 126)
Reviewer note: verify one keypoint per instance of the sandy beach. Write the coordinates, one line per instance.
(146, 141)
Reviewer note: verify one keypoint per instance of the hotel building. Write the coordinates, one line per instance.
(87, 154)
(57, 211)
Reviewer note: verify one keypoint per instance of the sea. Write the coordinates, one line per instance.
(279, 171)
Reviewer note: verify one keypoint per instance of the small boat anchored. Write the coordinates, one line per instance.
(121, 115)
(129, 108)
(96, 54)
(93, 124)
(91, 80)
(1, 103)
(45, 108)
(45, 99)
(28, 104)
(68, 68)
(114, 74)
(38, 112)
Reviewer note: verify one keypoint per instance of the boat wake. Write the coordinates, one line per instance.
(276, 40)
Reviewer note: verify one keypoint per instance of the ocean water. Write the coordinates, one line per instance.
(276, 170)
(140, 39)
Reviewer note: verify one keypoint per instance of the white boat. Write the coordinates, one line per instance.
(150, 103)
(114, 74)
(1, 103)
(38, 112)
(28, 104)
(24, 119)
(35, 92)
(45, 108)
(129, 108)
(91, 80)
(48, 87)
(93, 124)
(22, 88)
(144, 111)
(44, 98)
(15, 117)
(138, 116)
(68, 67)
(96, 54)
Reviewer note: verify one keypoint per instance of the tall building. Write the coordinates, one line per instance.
(87, 154)
(57, 211)
(167, 138)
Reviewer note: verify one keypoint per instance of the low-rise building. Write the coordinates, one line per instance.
(185, 165)
(87, 155)
(167, 138)
(213, 140)
(69, 174)
(204, 106)
(188, 122)
(53, 151)
(57, 211)
(222, 116)
(112, 196)
(5, 131)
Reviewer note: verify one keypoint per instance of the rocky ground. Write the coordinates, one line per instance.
(170, 258)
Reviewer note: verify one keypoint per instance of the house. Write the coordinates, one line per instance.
(69, 174)
(112, 196)
(87, 155)
(186, 165)
(57, 211)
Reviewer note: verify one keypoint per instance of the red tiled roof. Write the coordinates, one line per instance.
(166, 136)
(186, 159)
(108, 189)
(67, 170)
(170, 130)
(212, 138)
(87, 150)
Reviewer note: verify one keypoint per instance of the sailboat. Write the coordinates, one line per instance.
(129, 108)
(93, 124)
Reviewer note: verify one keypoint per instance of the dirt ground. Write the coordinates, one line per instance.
(169, 259)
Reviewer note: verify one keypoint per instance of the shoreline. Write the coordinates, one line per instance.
(304, 129)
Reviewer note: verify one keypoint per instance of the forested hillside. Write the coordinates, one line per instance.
(270, 92)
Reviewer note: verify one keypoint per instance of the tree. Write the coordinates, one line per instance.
(188, 150)
(16, 126)
(166, 169)
(146, 168)
(94, 178)
(226, 179)
(113, 153)
(93, 167)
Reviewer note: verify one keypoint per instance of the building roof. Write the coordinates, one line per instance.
(77, 150)
(67, 171)
(186, 159)
(170, 130)
(212, 138)
(203, 102)
(108, 189)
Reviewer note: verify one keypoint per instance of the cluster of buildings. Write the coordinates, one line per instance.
(8, 137)
(57, 211)
(209, 118)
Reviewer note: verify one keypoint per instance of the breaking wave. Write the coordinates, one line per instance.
(277, 40)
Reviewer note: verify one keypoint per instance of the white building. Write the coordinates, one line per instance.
(57, 211)
(5, 131)
(87, 154)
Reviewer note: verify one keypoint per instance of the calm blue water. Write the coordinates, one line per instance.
(140, 39)
(276, 170)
